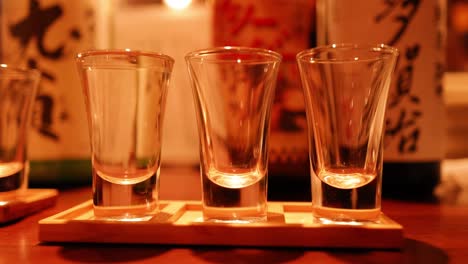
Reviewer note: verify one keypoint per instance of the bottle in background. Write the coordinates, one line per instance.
(415, 119)
(46, 35)
(284, 26)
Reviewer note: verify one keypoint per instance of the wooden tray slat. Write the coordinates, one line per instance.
(180, 223)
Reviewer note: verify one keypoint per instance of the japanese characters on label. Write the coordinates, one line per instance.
(46, 35)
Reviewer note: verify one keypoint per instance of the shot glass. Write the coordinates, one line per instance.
(125, 94)
(18, 88)
(233, 89)
(346, 88)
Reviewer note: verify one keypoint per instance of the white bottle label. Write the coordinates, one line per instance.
(46, 35)
(415, 118)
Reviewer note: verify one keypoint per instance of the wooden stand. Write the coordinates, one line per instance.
(16, 205)
(180, 223)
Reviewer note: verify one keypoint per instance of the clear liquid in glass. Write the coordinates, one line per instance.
(236, 196)
(12, 176)
(125, 193)
(347, 194)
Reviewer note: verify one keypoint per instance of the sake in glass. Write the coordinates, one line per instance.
(18, 88)
(346, 88)
(233, 90)
(125, 94)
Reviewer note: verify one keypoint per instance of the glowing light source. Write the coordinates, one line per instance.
(178, 4)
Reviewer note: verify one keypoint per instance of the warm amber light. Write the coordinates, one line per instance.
(178, 4)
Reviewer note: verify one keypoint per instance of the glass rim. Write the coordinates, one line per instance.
(198, 54)
(100, 52)
(383, 49)
(11, 69)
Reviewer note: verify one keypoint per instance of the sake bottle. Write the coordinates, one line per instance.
(286, 27)
(414, 142)
(46, 35)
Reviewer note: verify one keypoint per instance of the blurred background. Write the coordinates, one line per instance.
(457, 37)
(46, 34)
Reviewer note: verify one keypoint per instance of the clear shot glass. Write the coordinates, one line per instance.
(233, 89)
(125, 94)
(346, 88)
(18, 88)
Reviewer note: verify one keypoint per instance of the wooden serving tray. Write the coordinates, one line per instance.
(16, 205)
(180, 223)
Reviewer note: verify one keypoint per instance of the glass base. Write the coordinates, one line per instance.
(338, 216)
(236, 215)
(125, 202)
(236, 221)
(125, 213)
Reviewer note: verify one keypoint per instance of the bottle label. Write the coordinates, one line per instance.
(415, 118)
(284, 26)
(46, 35)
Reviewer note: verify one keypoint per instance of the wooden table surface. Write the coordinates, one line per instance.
(434, 233)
